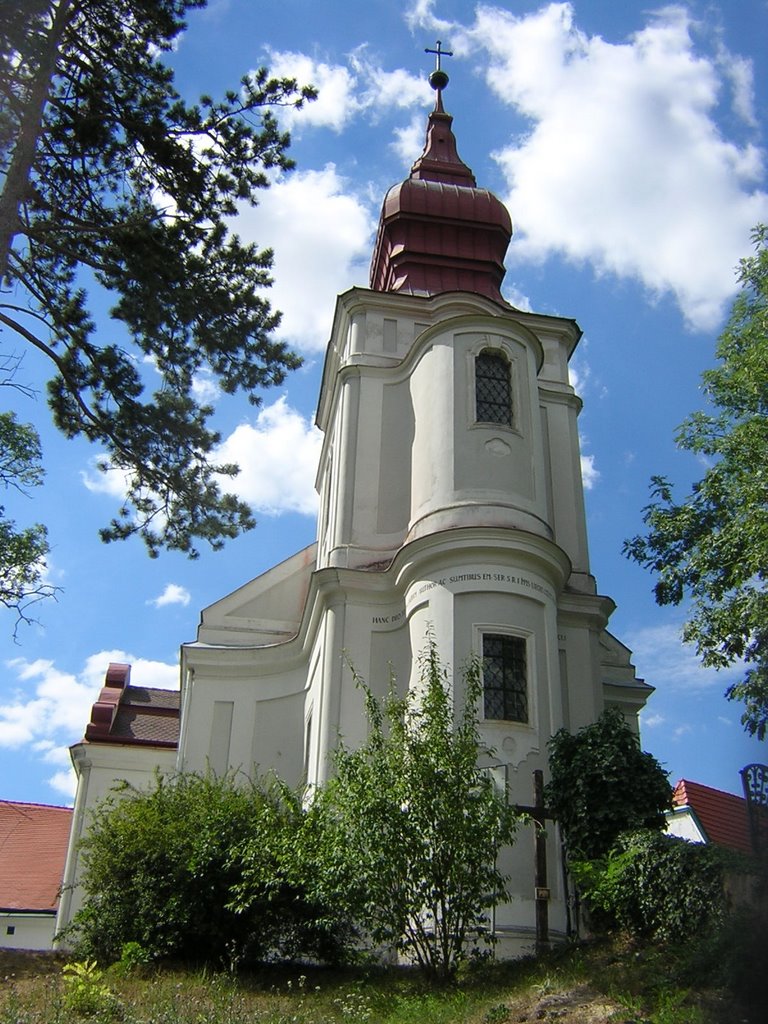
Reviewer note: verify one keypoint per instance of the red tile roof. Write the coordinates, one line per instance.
(134, 715)
(723, 816)
(33, 848)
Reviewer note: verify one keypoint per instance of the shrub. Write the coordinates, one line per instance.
(656, 886)
(162, 869)
(410, 826)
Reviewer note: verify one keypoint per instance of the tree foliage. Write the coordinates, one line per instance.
(602, 784)
(712, 547)
(412, 826)
(22, 550)
(111, 180)
(163, 868)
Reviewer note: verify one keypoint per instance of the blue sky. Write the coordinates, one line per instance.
(628, 145)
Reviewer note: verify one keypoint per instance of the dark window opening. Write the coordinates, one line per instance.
(505, 680)
(493, 388)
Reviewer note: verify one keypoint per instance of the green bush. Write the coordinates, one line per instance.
(656, 886)
(164, 869)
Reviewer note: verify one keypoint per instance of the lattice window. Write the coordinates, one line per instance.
(493, 388)
(505, 678)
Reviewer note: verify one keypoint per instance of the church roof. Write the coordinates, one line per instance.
(33, 840)
(134, 715)
(438, 231)
(723, 817)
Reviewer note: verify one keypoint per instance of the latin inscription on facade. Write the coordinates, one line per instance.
(384, 620)
(488, 577)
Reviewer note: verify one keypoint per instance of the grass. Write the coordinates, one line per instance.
(610, 982)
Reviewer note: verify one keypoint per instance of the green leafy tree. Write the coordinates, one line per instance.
(412, 826)
(163, 868)
(111, 180)
(22, 550)
(712, 548)
(602, 784)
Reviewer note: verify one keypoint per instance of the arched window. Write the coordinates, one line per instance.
(493, 388)
(505, 678)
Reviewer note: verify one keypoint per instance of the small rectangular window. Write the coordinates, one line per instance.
(505, 678)
(493, 388)
(11, 929)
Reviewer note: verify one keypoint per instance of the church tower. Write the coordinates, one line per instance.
(451, 503)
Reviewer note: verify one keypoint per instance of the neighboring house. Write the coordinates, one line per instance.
(451, 505)
(705, 815)
(33, 848)
(133, 733)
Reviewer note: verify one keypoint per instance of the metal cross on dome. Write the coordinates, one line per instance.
(438, 79)
(438, 54)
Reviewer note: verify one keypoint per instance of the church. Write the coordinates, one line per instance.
(451, 503)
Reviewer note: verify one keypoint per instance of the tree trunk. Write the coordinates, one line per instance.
(17, 180)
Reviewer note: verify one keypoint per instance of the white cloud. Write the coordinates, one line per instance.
(664, 660)
(103, 478)
(337, 101)
(420, 14)
(651, 721)
(173, 594)
(409, 141)
(578, 375)
(516, 298)
(322, 244)
(345, 91)
(64, 782)
(205, 389)
(50, 707)
(624, 165)
(590, 474)
(739, 72)
(388, 90)
(278, 456)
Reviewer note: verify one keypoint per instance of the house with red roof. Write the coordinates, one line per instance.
(133, 733)
(705, 815)
(33, 849)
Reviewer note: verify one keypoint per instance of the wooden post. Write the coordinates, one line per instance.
(539, 813)
(542, 890)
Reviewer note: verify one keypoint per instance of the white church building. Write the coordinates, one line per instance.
(451, 501)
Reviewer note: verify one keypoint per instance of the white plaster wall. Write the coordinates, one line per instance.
(267, 714)
(100, 767)
(683, 824)
(30, 931)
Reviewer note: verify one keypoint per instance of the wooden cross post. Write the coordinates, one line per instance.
(539, 813)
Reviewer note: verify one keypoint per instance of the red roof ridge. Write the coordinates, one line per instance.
(33, 803)
(118, 717)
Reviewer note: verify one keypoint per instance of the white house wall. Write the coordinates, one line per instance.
(100, 768)
(26, 931)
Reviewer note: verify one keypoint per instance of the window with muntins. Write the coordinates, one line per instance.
(505, 678)
(493, 388)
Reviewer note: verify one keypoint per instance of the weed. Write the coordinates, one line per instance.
(87, 994)
(671, 1009)
(496, 1014)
